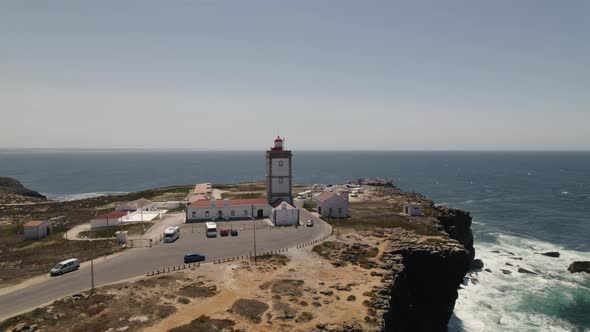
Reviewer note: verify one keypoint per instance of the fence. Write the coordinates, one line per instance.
(173, 269)
(237, 258)
(322, 239)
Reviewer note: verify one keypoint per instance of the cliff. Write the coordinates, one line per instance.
(12, 191)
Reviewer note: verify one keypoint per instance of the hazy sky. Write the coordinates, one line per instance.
(327, 74)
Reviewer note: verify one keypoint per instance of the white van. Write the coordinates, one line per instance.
(66, 266)
(171, 234)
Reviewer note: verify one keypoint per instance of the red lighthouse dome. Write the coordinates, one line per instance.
(278, 144)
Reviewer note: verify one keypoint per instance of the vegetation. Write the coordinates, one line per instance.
(368, 215)
(107, 232)
(309, 205)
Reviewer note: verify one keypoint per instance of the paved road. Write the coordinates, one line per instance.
(137, 262)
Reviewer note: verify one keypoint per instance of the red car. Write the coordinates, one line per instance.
(224, 232)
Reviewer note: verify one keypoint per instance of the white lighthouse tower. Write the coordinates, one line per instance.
(278, 173)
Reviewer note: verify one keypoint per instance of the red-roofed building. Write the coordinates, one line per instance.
(108, 219)
(227, 209)
(36, 229)
(332, 205)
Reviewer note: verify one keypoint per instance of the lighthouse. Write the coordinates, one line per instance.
(278, 173)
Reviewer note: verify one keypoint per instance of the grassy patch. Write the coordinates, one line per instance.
(250, 309)
(369, 215)
(309, 205)
(107, 232)
(205, 323)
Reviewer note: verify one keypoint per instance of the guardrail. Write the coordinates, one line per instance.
(322, 239)
(237, 258)
(173, 269)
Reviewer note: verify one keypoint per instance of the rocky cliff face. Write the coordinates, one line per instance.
(428, 275)
(12, 191)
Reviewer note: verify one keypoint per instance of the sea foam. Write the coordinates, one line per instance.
(521, 302)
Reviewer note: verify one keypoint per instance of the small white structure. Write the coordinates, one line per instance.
(37, 229)
(138, 216)
(332, 205)
(227, 209)
(109, 219)
(136, 205)
(284, 214)
(412, 209)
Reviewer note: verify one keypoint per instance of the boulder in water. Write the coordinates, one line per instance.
(521, 270)
(553, 254)
(477, 264)
(579, 266)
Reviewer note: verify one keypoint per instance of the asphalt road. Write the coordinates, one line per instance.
(137, 262)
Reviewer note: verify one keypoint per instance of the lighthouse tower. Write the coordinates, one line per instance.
(278, 173)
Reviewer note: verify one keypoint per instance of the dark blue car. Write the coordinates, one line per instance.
(192, 258)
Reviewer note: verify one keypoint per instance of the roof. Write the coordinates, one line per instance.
(277, 204)
(111, 215)
(279, 139)
(202, 188)
(326, 195)
(34, 223)
(229, 202)
(198, 197)
(141, 202)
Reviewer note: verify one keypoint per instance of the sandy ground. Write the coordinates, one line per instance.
(300, 288)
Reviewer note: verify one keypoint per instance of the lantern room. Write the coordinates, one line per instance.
(278, 144)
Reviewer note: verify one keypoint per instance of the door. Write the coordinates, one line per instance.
(260, 213)
(220, 214)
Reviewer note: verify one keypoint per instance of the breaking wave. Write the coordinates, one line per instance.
(551, 300)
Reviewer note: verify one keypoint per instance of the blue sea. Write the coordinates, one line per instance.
(523, 203)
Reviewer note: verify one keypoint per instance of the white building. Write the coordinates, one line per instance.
(412, 209)
(136, 205)
(227, 209)
(109, 219)
(37, 229)
(284, 214)
(332, 205)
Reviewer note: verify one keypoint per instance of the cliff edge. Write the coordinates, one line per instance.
(13, 192)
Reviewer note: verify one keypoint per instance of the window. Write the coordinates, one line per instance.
(194, 214)
(280, 163)
(245, 213)
(233, 213)
(206, 214)
(280, 180)
(339, 210)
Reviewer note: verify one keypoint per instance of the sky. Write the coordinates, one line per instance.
(327, 75)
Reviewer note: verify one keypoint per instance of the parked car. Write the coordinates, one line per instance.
(309, 223)
(66, 266)
(224, 232)
(233, 232)
(193, 257)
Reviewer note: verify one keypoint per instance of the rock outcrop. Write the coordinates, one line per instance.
(579, 266)
(424, 291)
(457, 223)
(375, 182)
(12, 191)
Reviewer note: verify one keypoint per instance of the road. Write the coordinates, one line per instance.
(137, 262)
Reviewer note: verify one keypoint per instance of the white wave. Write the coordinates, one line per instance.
(74, 197)
(514, 302)
(565, 192)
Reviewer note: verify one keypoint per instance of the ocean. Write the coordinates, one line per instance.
(523, 203)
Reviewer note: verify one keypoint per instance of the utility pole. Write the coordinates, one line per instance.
(338, 227)
(92, 274)
(254, 219)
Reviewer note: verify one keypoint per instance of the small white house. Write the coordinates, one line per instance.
(136, 205)
(37, 229)
(332, 205)
(284, 214)
(412, 209)
(109, 219)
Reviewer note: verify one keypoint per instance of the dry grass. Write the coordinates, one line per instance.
(368, 215)
(133, 229)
